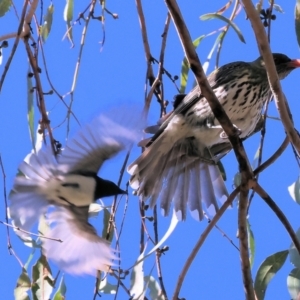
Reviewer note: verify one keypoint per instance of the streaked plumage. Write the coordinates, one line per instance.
(179, 161)
(69, 184)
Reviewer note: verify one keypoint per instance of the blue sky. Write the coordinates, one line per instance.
(116, 75)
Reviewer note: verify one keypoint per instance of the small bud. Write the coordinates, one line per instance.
(176, 77)
(4, 44)
(30, 74)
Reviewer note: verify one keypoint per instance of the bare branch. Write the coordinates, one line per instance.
(279, 97)
(281, 216)
(201, 241)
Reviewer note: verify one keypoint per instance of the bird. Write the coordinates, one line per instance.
(62, 187)
(179, 162)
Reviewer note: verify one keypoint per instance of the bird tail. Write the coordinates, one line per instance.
(77, 249)
(180, 175)
(26, 204)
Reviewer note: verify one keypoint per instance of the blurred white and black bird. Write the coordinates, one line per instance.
(63, 187)
(179, 161)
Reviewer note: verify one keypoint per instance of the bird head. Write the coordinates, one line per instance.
(284, 65)
(106, 188)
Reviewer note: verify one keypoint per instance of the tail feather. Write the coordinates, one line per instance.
(218, 182)
(195, 193)
(177, 173)
(182, 193)
(208, 195)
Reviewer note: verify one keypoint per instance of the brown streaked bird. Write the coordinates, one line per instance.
(63, 187)
(179, 161)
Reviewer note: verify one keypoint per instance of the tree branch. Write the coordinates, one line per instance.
(279, 97)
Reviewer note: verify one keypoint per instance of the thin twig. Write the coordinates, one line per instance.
(41, 100)
(28, 232)
(279, 97)
(201, 240)
(14, 48)
(281, 216)
(221, 116)
(273, 158)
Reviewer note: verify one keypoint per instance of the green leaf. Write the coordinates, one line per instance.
(61, 291)
(229, 22)
(23, 285)
(42, 281)
(30, 109)
(255, 160)
(237, 179)
(154, 288)
(185, 66)
(294, 190)
(137, 287)
(4, 7)
(68, 11)
(276, 7)
(46, 28)
(297, 21)
(267, 270)
(94, 209)
(106, 287)
(68, 17)
(106, 218)
(293, 283)
(222, 170)
(294, 255)
(251, 242)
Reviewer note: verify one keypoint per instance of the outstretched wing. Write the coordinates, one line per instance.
(99, 141)
(81, 250)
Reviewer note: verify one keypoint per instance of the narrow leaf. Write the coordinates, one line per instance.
(46, 28)
(106, 287)
(297, 21)
(61, 291)
(222, 170)
(294, 190)
(185, 66)
(137, 288)
(276, 7)
(4, 7)
(106, 218)
(68, 17)
(293, 283)
(294, 255)
(68, 11)
(267, 270)
(229, 22)
(30, 108)
(225, 7)
(154, 288)
(251, 243)
(42, 280)
(23, 285)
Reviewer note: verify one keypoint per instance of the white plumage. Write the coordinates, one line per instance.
(69, 184)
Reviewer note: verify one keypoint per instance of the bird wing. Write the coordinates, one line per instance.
(184, 102)
(26, 205)
(99, 141)
(81, 250)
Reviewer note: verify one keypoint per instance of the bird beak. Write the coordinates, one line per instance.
(295, 63)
